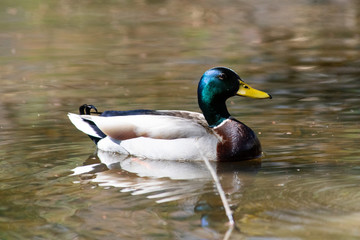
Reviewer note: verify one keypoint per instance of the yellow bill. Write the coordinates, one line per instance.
(247, 91)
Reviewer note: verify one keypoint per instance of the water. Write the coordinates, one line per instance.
(57, 55)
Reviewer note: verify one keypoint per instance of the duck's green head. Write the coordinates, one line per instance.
(215, 87)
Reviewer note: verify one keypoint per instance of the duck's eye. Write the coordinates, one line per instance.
(222, 76)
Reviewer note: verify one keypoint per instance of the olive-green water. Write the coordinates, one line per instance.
(120, 55)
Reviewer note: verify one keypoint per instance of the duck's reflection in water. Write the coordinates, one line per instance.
(166, 181)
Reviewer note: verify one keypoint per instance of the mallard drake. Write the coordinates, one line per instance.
(176, 134)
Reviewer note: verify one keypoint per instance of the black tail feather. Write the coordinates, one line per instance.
(85, 109)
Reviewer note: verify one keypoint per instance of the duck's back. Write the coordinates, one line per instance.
(162, 134)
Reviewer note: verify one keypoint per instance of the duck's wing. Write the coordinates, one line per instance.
(157, 124)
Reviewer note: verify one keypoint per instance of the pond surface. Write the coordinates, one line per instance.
(121, 55)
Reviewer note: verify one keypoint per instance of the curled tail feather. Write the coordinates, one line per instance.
(85, 125)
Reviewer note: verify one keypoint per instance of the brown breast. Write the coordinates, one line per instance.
(238, 143)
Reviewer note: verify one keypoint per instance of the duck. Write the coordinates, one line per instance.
(178, 134)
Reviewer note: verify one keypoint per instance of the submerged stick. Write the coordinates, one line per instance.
(221, 192)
